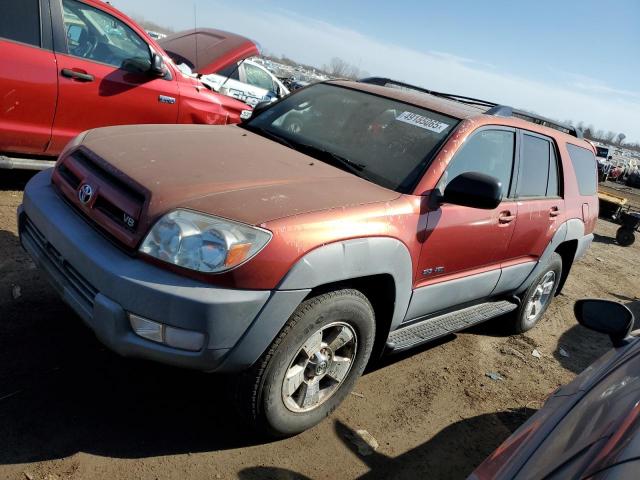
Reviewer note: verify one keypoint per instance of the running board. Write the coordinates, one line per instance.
(436, 327)
(25, 163)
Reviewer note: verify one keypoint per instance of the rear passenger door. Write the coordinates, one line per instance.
(539, 194)
(28, 77)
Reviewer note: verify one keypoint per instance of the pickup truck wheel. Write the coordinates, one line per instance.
(312, 365)
(538, 296)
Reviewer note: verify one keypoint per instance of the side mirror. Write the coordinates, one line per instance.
(605, 316)
(158, 67)
(473, 189)
(259, 108)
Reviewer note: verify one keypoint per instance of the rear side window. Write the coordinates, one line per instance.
(20, 21)
(584, 164)
(538, 168)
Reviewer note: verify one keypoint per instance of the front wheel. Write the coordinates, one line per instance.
(538, 296)
(312, 365)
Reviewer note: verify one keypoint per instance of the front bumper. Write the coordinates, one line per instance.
(103, 284)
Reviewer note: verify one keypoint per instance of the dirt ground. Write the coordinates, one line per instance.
(70, 409)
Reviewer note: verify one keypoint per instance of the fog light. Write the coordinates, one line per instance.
(173, 337)
(184, 339)
(146, 328)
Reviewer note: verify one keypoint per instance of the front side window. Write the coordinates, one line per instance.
(95, 35)
(258, 77)
(385, 141)
(20, 21)
(487, 151)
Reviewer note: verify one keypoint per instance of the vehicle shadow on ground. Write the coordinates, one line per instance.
(15, 179)
(579, 347)
(603, 239)
(451, 453)
(62, 392)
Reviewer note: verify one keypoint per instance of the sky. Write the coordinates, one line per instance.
(569, 60)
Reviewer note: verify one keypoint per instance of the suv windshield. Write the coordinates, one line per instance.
(379, 139)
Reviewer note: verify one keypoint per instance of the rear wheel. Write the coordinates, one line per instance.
(538, 296)
(311, 366)
(625, 237)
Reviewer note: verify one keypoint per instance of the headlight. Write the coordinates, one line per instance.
(202, 242)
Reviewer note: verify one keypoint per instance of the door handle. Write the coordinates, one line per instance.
(83, 77)
(506, 217)
(554, 212)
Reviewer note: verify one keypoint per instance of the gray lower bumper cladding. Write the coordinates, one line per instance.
(103, 285)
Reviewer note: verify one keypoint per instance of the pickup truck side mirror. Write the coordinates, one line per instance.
(473, 189)
(605, 316)
(259, 108)
(158, 68)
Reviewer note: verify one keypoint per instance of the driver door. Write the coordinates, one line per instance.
(102, 77)
(464, 247)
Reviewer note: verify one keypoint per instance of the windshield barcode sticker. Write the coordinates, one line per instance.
(422, 122)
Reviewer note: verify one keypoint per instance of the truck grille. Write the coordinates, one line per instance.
(84, 290)
(115, 203)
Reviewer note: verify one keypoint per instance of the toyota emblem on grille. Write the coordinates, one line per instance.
(85, 193)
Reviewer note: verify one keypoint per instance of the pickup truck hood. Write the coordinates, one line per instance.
(206, 50)
(226, 171)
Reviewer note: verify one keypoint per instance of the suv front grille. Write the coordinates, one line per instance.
(116, 203)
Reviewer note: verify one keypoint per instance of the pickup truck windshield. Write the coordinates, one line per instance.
(379, 139)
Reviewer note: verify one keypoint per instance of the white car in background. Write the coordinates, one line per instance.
(247, 81)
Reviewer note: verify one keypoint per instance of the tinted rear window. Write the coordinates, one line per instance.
(20, 21)
(584, 164)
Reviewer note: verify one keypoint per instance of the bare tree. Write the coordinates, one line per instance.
(610, 136)
(339, 68)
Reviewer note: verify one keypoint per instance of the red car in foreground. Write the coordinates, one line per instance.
(71, 65)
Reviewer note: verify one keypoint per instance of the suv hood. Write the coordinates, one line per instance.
(206, 50)
(221, 170)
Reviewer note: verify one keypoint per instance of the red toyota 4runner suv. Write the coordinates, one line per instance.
(71, 65)
(345, 220)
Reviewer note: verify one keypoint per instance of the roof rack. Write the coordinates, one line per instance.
(385, 82)
(494, 108)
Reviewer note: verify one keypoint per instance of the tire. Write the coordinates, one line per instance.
(625, 237)
(267, 393)
(528, 315)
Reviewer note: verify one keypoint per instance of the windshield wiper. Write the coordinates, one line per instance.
(317, 152)
(266, 133)
(334, 158)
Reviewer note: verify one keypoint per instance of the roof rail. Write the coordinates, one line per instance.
(505, 111)
(385, 82)
(494, 108)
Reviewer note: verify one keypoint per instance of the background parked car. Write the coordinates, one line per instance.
(70, 65)
(589, 428)
(248, 81)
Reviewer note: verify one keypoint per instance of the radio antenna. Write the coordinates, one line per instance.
(195, 30)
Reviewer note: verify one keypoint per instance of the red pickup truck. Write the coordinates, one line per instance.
(71, 65)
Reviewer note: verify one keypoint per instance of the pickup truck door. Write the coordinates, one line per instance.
(28, 77)
(463, 247)
(102, 75)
